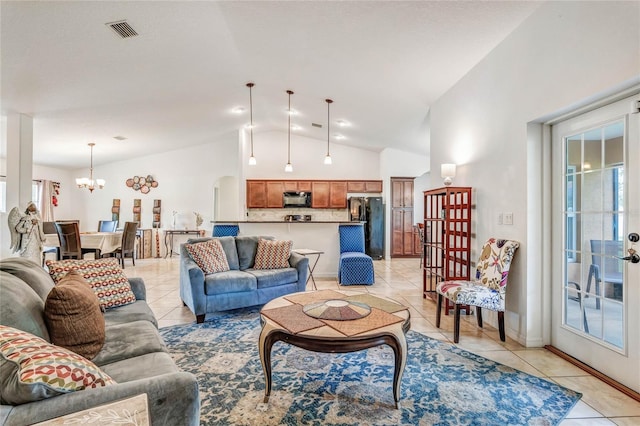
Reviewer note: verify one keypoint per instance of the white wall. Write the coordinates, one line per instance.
(307, 158)
(186, 178)
(564, 54)
(396, 163)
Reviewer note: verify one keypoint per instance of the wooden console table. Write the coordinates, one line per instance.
(170, 233)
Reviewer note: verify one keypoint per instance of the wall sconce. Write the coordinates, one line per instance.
(448, 172)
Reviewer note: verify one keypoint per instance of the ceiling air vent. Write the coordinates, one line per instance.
(317, 125)
(122, 28)
(120, 138)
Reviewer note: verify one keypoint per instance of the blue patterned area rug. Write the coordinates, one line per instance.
(442, 384)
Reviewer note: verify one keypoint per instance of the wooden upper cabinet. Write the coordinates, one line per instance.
(402, 193)
(304, 185)
(364, 186)
(290, 185)
(320, 194)
(356, 186)
(329, 194)
(338, 195)
(256, 194)
(274, 194)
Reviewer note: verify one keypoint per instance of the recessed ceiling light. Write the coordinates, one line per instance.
(339, 136)
(238, 110)
(292, 112)
(249, 126)
(343, 123)
(295, 127)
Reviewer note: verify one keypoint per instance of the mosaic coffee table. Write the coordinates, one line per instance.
(334, 322)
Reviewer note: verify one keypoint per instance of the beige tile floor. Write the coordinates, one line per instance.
(402, 280)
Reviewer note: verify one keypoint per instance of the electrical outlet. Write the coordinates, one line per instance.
(508, 218)
(499, 218)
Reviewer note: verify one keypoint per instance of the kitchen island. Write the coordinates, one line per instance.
(318, 235)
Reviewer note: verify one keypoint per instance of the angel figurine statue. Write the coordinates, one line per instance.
(27, 237)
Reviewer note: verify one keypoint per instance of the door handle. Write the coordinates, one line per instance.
(633, 256)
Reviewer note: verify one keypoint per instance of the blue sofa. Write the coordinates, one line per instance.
(241, 286)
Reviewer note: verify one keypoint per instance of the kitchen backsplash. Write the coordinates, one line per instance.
(317, 215)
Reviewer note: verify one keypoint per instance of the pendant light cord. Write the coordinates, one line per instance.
(329, 102)
(250, 85)
(289, 132)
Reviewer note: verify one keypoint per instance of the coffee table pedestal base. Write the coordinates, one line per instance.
(396, 340)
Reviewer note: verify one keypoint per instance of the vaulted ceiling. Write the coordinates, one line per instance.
(175, 83)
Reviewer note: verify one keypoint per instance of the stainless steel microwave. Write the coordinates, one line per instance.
(296, 199)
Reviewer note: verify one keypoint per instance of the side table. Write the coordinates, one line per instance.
(170, 233)
(310, 252)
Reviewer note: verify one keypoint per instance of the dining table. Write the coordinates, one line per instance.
(101, 242)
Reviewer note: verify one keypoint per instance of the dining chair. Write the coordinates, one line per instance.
(107, 225)
(49, 228)
(355, 267)
(488, 290)
(605, 268)
(70, 245)
(128, 245)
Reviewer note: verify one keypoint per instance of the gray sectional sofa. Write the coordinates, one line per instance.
(133, 354)
(242, 285)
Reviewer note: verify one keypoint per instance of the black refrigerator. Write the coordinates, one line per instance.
(371, 211)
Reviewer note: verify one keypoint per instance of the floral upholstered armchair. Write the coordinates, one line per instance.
(487, 290)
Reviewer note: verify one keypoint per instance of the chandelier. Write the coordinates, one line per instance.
(89, 182)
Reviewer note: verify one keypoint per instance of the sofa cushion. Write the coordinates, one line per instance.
(21, 307)
(130, 340)
(209, 256)
(105, 276)
(272, 254)
(30, 272)
(274, 277)
(32, 369)
(137, 311)
(229, 282)
(141, 367)
(247, 248)
(73, 316)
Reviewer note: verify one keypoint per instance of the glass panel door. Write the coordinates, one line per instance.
(595, 211)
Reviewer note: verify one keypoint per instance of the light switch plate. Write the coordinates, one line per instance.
(508, 218)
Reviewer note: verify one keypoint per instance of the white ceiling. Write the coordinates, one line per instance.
(383, 64)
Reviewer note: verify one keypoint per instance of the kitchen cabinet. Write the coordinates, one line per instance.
(364, 186)
(403, 234)
(327, 194)
(274, 194)
(256, 194)
(338, 195)
(447, 236)
(320, 194)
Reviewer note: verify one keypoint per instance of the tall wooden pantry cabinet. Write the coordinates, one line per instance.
(447, 237)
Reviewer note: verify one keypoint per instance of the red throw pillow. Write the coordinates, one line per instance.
(273, 254)
(209, 256)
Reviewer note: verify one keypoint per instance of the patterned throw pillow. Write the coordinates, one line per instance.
(273, 254)
(73, 316)
(32, 369)
(209, 256)
(105, 276)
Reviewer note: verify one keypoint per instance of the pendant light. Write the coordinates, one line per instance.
(289, 168)
(89, 182)
(327, 159)
(252, 159)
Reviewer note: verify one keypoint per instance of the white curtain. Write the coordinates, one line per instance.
(45, 191)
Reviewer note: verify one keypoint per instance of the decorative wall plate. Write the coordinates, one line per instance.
(142, 184)
(337, 309)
